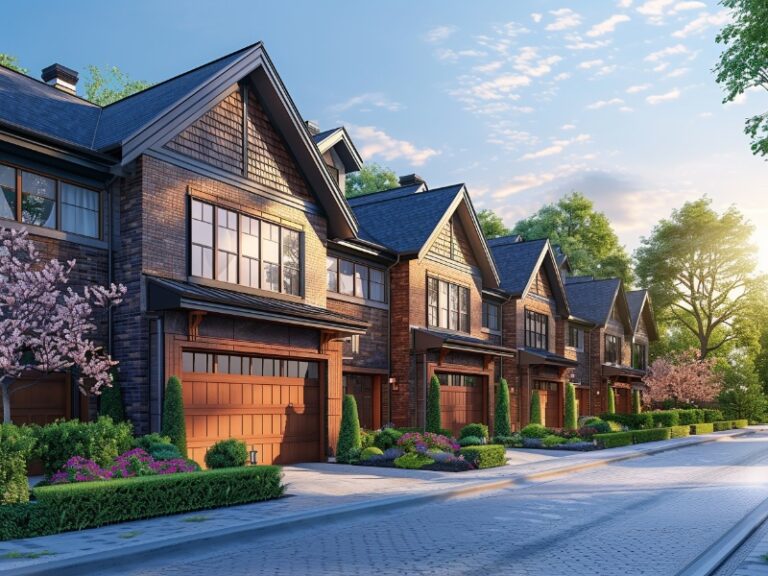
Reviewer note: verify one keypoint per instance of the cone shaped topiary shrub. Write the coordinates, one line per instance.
(173, 415)
(501, 423)
(611, 401)
(433, 406)
(349, 434)
(571, 418)
(636, 405)
(111, 401)
(536, 408)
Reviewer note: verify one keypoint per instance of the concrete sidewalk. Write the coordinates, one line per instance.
(316, 493)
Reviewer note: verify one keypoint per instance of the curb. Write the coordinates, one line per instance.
(82, 564)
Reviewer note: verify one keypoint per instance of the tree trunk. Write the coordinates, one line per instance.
(6, 385)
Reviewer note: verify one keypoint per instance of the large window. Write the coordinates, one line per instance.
(536, 330)
(235, 248)
(639, 356)
(447, 305)
(355, 279)
(43, 201)
(461, 380)
(491, 314)
(612, 349)
(248, 365)
(575, 337)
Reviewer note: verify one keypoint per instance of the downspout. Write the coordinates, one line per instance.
(110, 253)
(389, 339)
(426, 390)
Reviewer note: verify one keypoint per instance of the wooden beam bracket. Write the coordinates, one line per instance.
(195, 319)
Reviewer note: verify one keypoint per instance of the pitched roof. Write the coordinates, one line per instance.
(593, 299)
(385, 195)
(339, 140)
(516, 261)
(640, 303)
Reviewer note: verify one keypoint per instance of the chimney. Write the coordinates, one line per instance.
(412, 180)
(61, 77)
(312, 127)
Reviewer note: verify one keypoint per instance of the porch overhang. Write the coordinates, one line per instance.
(629, 374)
(164, 294)
(529, 356)
(424, 340)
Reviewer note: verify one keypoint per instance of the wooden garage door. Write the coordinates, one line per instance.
(550, 402)
(461, 400)
(271, 404)
(623, 400)
(361, 387)
(40, 399)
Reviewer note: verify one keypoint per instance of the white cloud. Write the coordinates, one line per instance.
(654, 99)
(624, 3)
(677, 72)
(528, 61)
(562, 76)
(377, 143)
(568, 127)
(742, 98)
(607, 26)
(489, 67)
(702, 23)
(564, 18)
(604, 103)
(439, 34)
(637, 88)
(577, 43)
(626, 109)
(589, 64)
(505, 135)
(683, 6)
(455, 55)
(605, 70)
(366, 102)
(661, 67)
(654, 10)
(500, 87)
(523, 182)
(675, 50)
(705, 115)
(536, 17)
(557, 147)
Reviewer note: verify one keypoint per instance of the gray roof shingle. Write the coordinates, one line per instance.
(516, 261)
(592, 300)
(635, 300)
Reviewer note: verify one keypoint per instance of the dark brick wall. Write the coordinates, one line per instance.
(374, 347)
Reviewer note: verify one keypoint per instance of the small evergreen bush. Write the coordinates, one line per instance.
(349, 433)
(613, 439)
(477, 430)
(370, 451)
(536, 417)
(433, 406)
(111, 401)
(702, 428)
(552, 440)
(501, 421)
(535, 431)
(571, 416)
(488, 456)
(652, 435)
(611, 401)
(16, 443)
(226, 454)
(471, 441)
(173, 415)
(386, 438)
(413, 461)
(712, 415)
(680, 431)
(636, 404)
(665, 418)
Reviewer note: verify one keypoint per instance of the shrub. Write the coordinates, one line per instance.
(433, 406)
(691, 416)
(615, 426)
(100, 441)
(418, 442)
(680, 431)
(471, 441)
(571, 417)
(367, 438)
(587, 432)
(111, 400)
(643, 421)
(487, 456)
(16, 444)
(501, 423)
(611, 401)
(551, 441)
(370, 451)
(173, 415)
(652, 435)
(613, 439)
(413, 461)
(636, 404)
(711, 415)
(165, 452)
(740, 423)
(88, 505)
(349, 433)
(226, 454)
(665, 418)
(702, 428)
(386, 438)
(722, 425)
(514, 440)
(536, 417)
(478, 430)
(535, 431)
(600, 425)
(148, 440)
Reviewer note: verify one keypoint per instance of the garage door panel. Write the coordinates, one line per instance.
(461, 405)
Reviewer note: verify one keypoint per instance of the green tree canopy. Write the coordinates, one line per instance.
(584, 235)
(700, 269)
(491, 224)
(371, 178)
(744, 62)
(108, 85)
(11, 62)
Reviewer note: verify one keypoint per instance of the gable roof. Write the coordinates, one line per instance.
(518, 263)
(153, 116)
(408, 219)
(593, 300)
(339, 140)
(639, 302)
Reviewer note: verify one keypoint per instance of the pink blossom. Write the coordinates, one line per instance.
(682, 377)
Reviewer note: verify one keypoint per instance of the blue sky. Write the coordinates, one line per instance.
(523, 101)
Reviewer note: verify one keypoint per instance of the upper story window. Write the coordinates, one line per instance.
(448, 305)
(612, 349)
(536, 330)
(491, 316)
(639, 356)
(355, 279)
(38, 200)
(239, 249)
(575, 337)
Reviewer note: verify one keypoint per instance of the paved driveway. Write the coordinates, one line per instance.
(643, 516)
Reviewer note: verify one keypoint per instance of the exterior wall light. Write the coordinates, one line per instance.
(253, 456)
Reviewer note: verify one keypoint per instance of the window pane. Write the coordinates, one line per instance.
(377, 285)
(269, 367)
(443, 304)
(249, 252)
(453, 303)
(201, 362)
(257, 367)
(271, 256)
(331, 266)
(432, 301)
(291, 281)
(361, 281)
(8, 196)
(222, 364)
(291, 251)
(79, 210)
(188, 361)
(38, 200)
(201, 252)
(226, 238)
(464, 309)
(346, 275)
(313, 370)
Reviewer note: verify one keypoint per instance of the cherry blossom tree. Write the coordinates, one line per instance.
(45, 326)
(683, 377)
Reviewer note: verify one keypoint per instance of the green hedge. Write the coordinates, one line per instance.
(712, 415)
(613, 439)
(665, 418)
(487, 456)
(66, 507)
(680, 431)
(475, 429)
(740, 423)
(652, 435)
(722, 425)
(702, 428)
(690, 416)
(16, 444)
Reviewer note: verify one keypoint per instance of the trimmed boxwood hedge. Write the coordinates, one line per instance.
(488, 456)
(65, 507)
(702, 428)
(722, 425)
(680, 431)
(740, 423)
(665, 418)
(652, 435)
(613, 439)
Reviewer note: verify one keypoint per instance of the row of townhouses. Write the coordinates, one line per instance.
(253, 278)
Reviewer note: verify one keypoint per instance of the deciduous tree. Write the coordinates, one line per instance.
(371, 178)
(108, 85)
(46, 326)
(491, 224)
(684, 378)
(11, 62)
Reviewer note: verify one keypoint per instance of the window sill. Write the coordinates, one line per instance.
(55, 234)
(485, 330)
(357, 300)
